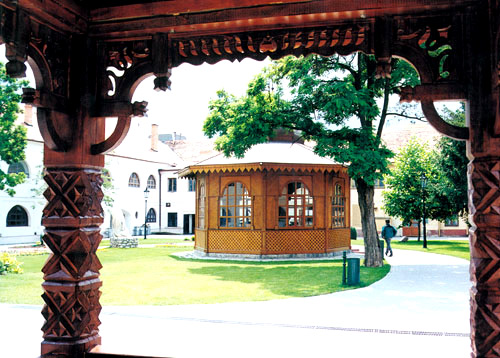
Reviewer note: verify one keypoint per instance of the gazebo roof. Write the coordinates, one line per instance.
(277, 156)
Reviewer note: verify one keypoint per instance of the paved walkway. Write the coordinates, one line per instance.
(421, 309)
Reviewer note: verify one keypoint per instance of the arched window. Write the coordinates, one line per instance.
(338, 207)
(17, 216)
(201, 205)
(295, 207)
(235, 206)
(133, 181)
(151, 182)
(151, 217)
(19, 167)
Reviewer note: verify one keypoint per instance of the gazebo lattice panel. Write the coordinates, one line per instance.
(235, 241)
(295, 241)
(338, 238)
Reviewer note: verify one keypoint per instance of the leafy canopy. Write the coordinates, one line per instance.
(330, 100)
(12, 136)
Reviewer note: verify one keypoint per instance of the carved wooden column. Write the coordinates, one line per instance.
(484, 185)
(71, 289)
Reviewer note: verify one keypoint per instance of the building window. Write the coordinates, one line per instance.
(235, 206)
(295, 206)
(453, 221)
(201, 206)
(19, 167)
(338, 207)
(172, 219)
(191, 184)
(17, 216)
(172, 184)
(133, 181)
(151, 182)
(151, 217)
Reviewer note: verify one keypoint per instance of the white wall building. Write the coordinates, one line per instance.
(140, 161)
(21, 214)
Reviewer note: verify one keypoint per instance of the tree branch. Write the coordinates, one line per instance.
(422, 119)
(383, 115)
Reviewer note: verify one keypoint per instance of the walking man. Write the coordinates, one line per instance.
(388, 232)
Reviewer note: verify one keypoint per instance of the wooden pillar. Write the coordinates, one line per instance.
(484, 187)
(73, 214)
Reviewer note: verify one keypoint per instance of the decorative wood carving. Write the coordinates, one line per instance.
(71, 289)
(484, 177)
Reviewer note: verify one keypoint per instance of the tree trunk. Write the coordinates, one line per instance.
(419, 230)
(373, 254)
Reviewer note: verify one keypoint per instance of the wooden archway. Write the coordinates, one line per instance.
(90, 55)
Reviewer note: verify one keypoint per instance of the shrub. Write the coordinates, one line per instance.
(9, 263)
(354, 233)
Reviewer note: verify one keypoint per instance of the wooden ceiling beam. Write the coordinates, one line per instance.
(60, 15)
(238, 20)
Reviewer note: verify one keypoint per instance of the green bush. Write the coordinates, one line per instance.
(9, 263)
(354, 233)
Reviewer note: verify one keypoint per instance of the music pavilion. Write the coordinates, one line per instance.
(279, 199)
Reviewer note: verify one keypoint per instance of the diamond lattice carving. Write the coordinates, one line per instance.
(71, 311)
(74, 254)
(485, 257)
(73, 193)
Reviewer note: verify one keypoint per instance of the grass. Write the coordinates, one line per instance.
(457, 248)
(156, 240)
(152, 276)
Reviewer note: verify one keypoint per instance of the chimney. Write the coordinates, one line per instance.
(28, 114)
(154, 137)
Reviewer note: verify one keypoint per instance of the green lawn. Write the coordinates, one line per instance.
(457, 248)
(151, 276)
(156, 240)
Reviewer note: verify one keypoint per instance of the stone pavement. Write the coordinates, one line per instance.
(420, 309)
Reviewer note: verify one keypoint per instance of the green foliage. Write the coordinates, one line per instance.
(12, 136)
(319, 97)
(403, 198)
(450, 159)
(107, 187)
(9, 264)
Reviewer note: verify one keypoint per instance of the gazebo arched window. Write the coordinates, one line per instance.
(338, 206)
(151, 217)
(19, 167)
(295, 206)
(17, 216)
(235, 206)
(201, 205)
(133, 181)
(151, 182)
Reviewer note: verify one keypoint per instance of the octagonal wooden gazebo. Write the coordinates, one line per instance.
(279, 199)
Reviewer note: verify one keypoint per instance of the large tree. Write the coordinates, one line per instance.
(12, 136)
(405, 196)
(333, 101)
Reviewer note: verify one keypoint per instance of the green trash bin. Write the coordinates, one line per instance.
(353, 271)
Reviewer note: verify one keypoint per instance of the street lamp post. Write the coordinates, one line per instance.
(146, 195)
(423, 182)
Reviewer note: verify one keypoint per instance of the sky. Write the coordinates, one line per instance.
(184, 108)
